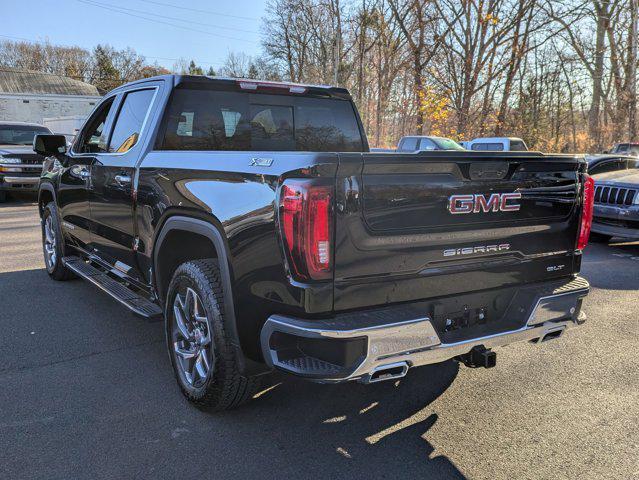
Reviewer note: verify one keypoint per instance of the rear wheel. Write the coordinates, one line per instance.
(52, 244)
(204, 361)
(3, 196)
(599, 237)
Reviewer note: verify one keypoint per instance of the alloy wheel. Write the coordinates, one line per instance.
(49, 242)
(191, 335)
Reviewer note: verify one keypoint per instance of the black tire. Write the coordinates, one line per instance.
(599, 237)
(222, 388)
(53, 263)
(3, 196)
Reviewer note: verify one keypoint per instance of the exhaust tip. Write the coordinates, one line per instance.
(392, 371)
(552, 335)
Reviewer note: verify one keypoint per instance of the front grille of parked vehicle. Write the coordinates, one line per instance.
(31, 162)
(614, 195)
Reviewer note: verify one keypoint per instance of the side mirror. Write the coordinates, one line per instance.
(50, 144)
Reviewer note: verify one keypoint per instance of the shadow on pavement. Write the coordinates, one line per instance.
(363, 431)
(606, 266)
(89, 373)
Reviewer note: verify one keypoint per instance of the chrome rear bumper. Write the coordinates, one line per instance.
(413, 342)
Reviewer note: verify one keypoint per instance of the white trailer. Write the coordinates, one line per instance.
(68, 125)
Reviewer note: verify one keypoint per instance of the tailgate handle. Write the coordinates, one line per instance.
(488, 170)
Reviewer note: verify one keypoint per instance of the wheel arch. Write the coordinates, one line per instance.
(180, 227)
(46, 194)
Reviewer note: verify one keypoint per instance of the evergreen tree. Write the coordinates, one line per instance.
(194, 69)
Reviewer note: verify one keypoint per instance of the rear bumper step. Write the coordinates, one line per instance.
(139, 305)
(372, 347)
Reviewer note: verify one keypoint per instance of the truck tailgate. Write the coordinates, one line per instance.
(414, 226)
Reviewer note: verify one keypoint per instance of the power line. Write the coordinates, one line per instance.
(41, 42)
(210, 12)
(172, 18)
(87, 2)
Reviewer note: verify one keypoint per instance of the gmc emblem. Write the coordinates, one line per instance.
(497, 202)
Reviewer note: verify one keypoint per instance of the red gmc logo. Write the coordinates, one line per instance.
(496, 202)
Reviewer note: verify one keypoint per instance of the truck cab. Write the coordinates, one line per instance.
(628, 148)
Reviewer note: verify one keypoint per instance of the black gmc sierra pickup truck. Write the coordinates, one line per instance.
(253, 218)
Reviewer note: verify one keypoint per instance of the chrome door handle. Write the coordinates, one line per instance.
(122, 180)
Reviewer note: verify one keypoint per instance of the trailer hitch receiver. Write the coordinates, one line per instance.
(479, 356)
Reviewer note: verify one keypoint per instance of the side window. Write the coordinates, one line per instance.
(409, 144)
(93, 139)
(602, 167)
(128, 125)
(517, 146)
(426, 144)
(489, 147)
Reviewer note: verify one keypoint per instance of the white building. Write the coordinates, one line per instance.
(27, 96)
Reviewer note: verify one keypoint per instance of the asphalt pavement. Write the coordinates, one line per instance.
(87, 392)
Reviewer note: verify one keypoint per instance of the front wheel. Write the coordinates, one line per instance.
(52, 244)
(202, 355)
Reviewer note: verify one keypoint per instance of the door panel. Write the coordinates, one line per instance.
(73, 205)
(75, 179)
(112, 190)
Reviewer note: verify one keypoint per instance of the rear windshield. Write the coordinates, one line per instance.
(488, 146)
(408, 144)
(448, 144)
(20, 134)
(216, 120)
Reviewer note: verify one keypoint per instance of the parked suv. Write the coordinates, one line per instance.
(19, 167)
(616, 211)
(251, 216)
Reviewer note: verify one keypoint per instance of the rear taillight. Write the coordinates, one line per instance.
(306, 223)
(586, 214)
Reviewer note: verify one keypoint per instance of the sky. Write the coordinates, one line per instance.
(161, 30)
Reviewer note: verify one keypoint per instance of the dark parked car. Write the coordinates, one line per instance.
(610, 163)
(616, 212)
(20, 167)
(251, 216)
